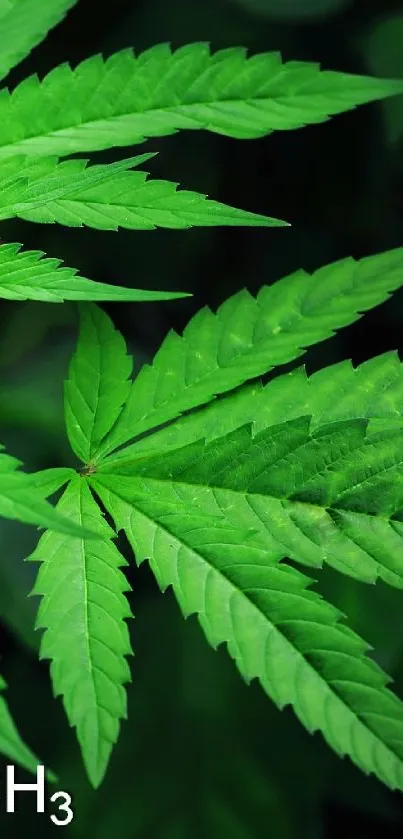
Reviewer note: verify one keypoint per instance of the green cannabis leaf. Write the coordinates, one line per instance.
(275, 628)
(225, 481)
(22, 498)
(328, 395)
(334, 495)
(125, 99)
(107, 197)
(84, 604)
(249, 336)
(23, 24)
(27, 275)
(98, 385)
(220, 498)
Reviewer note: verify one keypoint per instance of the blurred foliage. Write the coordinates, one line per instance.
(382, 47)
(202, 755)
(293, 10)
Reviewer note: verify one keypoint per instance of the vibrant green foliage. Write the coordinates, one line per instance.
(247, 337)
(217, 493)
(23, 24)
(22, 498)
(276, 630)
(107, 197)
(25, 275)
(125, 99)
(83, 612)
(217, 519)
(334, 495)
(327, 396)
(98, 385)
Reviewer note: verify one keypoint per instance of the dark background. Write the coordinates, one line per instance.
(203, 756)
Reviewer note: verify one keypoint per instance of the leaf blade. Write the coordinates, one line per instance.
(24, 24)
(373, 390)
(109, 197)
(248, 336)
(82, 582)
(125, 99)
(98, 382)
(332, 496)
(274, 627)
(22, 498)
(30, 275)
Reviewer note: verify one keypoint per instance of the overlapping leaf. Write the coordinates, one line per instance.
(334, 495)
(125, 99)
(23, 24)
(249, 336)
(29, 275)
(200, 542)
(83, 608)
(374, 391)
(22, 498)
(108, 197)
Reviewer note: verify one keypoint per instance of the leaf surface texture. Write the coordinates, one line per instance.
(30, 275)
(248, 336)
(107, 197)
(201, 542)
(24, 24)
(126, 99)
(98, 384)
(83, 610)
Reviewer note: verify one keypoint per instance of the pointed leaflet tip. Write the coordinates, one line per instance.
(109, 197)
(30, 275)
(394, 87)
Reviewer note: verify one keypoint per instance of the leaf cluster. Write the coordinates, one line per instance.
(225, 484)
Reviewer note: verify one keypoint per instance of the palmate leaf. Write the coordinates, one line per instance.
(108, 197)
(198, 540)
(11, 744)
(98, 382)
(23, 24)
(249, 336)
(29, 275)
(125, 99)
(83, 610)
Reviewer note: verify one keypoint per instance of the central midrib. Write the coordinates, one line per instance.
(170, 109)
